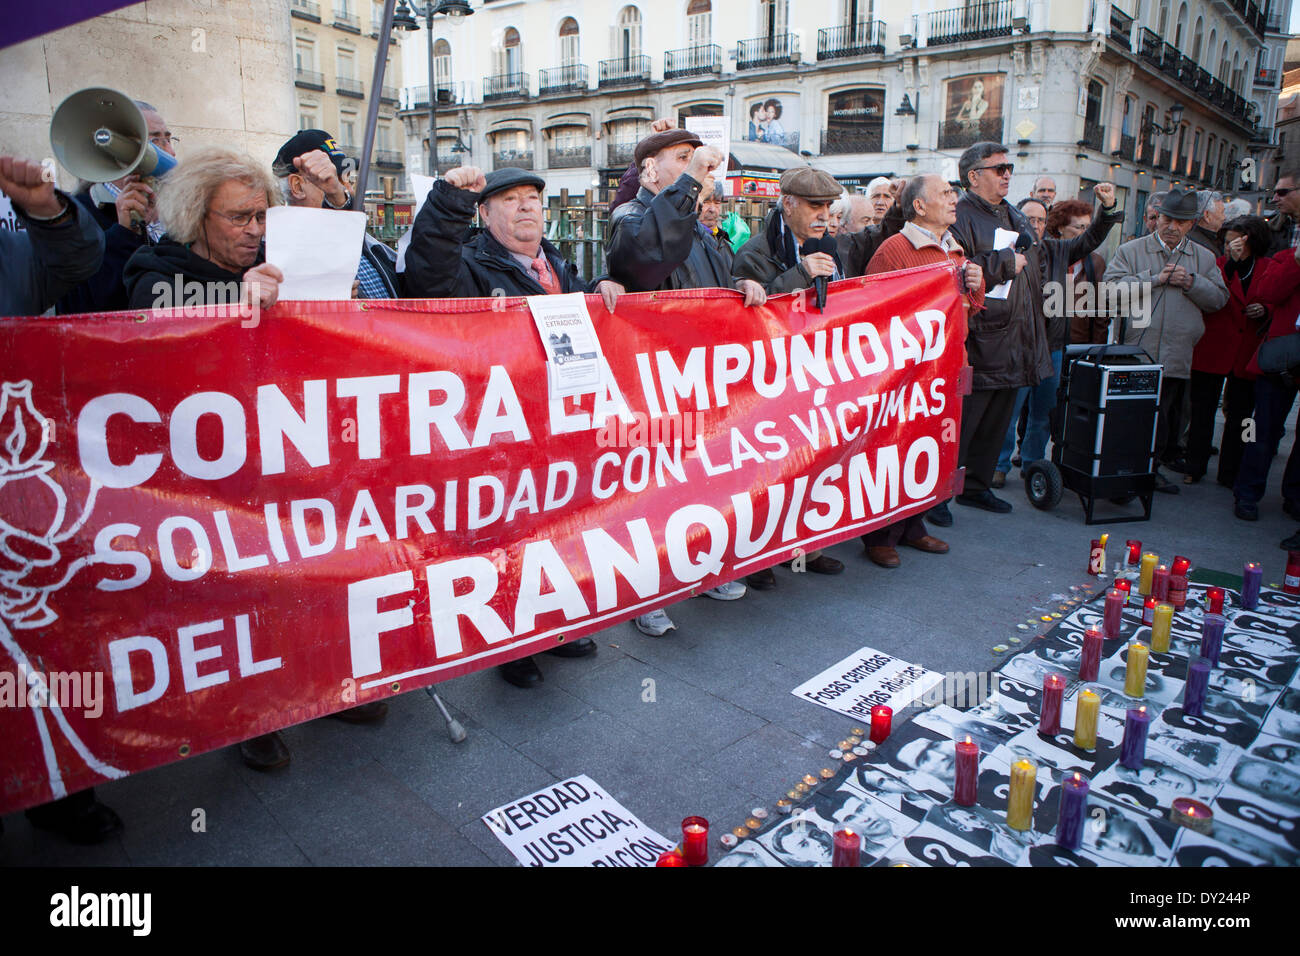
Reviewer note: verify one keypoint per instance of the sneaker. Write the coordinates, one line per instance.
(731, 591)
(656, 623)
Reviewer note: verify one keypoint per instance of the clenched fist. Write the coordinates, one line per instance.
(1105, 193)
(27, 185)
(704, 160)
(318, 169)
(470, 178)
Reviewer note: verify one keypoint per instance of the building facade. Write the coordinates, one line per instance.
(1085, 92)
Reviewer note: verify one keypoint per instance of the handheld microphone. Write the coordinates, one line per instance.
(824, 244)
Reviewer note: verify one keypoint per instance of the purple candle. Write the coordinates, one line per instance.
(1252, 577)
(1049, 720)
(1113, 613)
(1133, 749)
(1212, 637)
(1090, 661)
(1074, 806)
(1198, 679)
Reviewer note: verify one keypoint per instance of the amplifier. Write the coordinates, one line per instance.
(1109, 422)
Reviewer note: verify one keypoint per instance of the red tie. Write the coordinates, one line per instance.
(544, 274)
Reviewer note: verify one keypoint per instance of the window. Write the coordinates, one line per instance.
(1180, 31)
(510, 58)
(699, 22)
(1196, 147)
(570, 137)
(698, 109)
(1126, 122)
(1209, 51)
(347, 68)
(629, 33)
(306, 118)
(384, 137)
(347, 129)
(1197, 37)
(304, 55)
(1236, 72)
(1224, 63)
(855, 12)
(442, 65)
(569, 49)
(629, 131)
(773, 17)
(1162, 21)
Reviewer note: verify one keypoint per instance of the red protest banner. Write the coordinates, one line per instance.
(211, 528)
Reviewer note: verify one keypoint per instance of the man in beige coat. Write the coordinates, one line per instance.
(1183, 282)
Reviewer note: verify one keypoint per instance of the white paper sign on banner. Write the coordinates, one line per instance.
(713, 131)
(575, 823)
(574, 365)
(866, 679)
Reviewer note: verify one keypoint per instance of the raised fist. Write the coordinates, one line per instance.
(470, 178)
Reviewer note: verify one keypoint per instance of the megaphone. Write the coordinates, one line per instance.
(100, 135)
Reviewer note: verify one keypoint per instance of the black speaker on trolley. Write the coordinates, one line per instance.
(1109, 428)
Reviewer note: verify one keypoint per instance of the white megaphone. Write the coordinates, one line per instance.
(100, 135)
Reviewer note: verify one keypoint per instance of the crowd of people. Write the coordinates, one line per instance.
(1222, 284)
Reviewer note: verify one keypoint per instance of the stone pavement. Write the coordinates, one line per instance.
(722, 734)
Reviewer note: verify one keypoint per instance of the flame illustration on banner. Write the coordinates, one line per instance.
(30, 555)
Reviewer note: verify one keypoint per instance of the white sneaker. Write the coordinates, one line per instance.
(731, 591)
(656, 623)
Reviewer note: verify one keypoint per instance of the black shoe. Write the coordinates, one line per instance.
(1292, 543)
(985, 500)
(1292, 509)
(1179, 465)
(582, 647)
(825, 564)
(267, 752)
(371, 713)
(764, 580)
(522, 673)
(79, 819)
(1165, 486)
(1246, 510)
(939, 516)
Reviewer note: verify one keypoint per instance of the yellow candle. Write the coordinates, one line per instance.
(1160, 621)
(1087, 707)
(1020, 803)
(1135, 678)
(1149, 561)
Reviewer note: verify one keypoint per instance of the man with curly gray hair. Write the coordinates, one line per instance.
(214, 206)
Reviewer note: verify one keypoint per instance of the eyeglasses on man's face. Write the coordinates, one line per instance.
(240, 220)
(1000, 169)
(1282, 192)
(163, 139)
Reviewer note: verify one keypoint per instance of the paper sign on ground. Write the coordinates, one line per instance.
(575, 823)
(573, 362)
(318, 250)
(865, 679)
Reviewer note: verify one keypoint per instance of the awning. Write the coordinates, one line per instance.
(745, 155)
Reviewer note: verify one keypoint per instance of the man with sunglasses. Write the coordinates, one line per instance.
(1286, 224)
(1006, 342)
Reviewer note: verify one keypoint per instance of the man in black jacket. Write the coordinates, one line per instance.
(507, 257)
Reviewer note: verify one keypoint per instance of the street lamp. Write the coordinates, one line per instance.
(403, 20)
(1175, 120)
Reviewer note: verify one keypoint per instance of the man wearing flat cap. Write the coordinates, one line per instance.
(773, 259)
(509, 256)
(1185, 283)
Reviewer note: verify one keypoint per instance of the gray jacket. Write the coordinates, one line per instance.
(1175, 324)
(39, 265)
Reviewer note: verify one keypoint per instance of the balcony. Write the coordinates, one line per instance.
(1274, 22)
(863, 139)
(305, 10)
(1121, 27)
(417, 97)
(568, 157)
(387, 94)
(309, 80)
(781, 49)
(347, 21)
(624, 71)
(1169, 60)
(1266, 78)
(517, 158)
(571, 78)
(1150, 48)
(851, 39)
(1148, 152)
(1179, 165)
(693, 61)
(976, 21)
(390, 158)
(1093, 135)
(505, 86)
(959, 135)
(1262, 134)
(348, 87)
(1194, 172)
(620, 154)
(1127, 148)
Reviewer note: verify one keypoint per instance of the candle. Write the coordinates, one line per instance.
(1149, 561)
(848, 848)
(1186, 812)
(695, 841)
(1086, 709)
(1160, 583)
(1181, 565)
(1198, 679)
(1049, 720)
(1090, 660)
(1178, 591)
(1096, 556)
(1020, 802)
(670, 858)
(1252, 577)
(1149, 611)
(1214, 600)
(1074, 805)
(1135, 678)
(1113, 613)
(1291, 579)
(1162, 619)
(1133, 748)
(882, 719)
(1212, 637)
(1125, 587)
(1134, 552)
(968, 771)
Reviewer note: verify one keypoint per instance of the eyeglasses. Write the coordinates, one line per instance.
(1002, 169)
(1282, 193)
(160, 139)
(242, 219)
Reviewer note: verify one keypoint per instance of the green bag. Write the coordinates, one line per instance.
(734, 225)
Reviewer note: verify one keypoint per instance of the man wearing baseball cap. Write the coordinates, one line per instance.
(310, 169)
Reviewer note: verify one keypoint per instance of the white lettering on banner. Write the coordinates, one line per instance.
(277, 420)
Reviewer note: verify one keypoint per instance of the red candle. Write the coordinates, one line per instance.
(671, 858)
(1090, 661)
(1215, 598)
(1181, 565)
(1178, 591)
(1134, 552)
(882, 721)
(848, 850)
(1112, 615)
(968, 772)
(1126, 587)
(695, 841)
(1049, 720)
(1160, 583)
(1149, 611)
